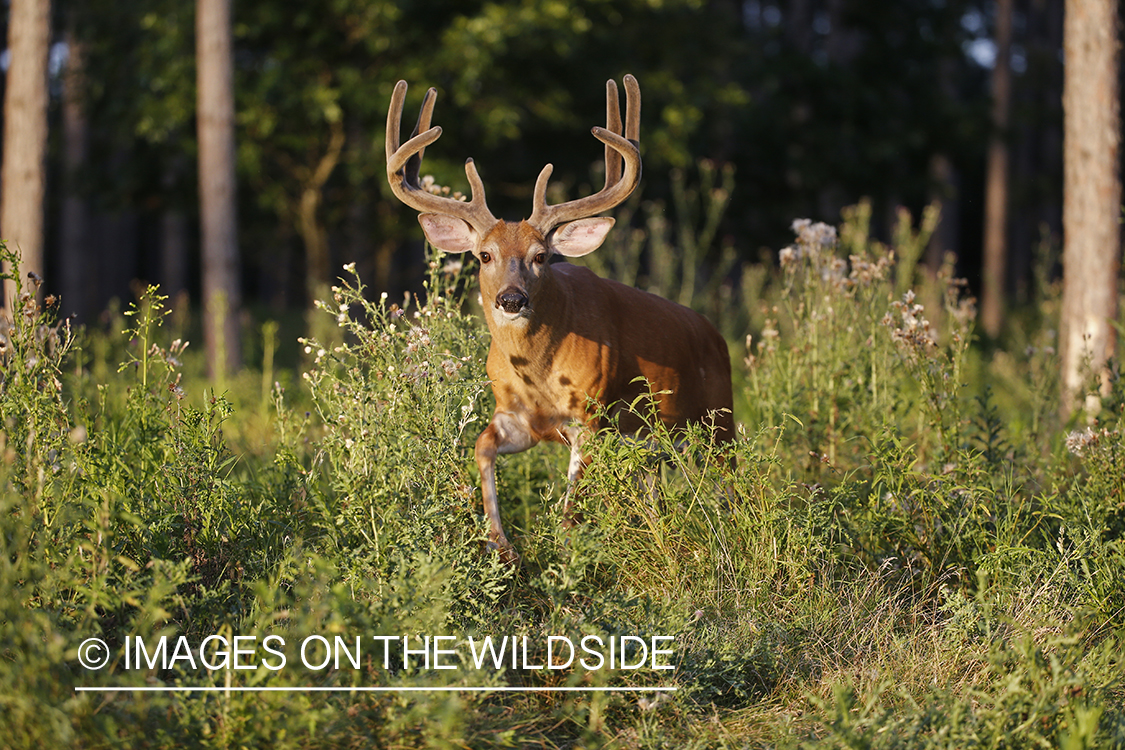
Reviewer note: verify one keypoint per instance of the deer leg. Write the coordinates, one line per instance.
(575, 436)
(504, 434)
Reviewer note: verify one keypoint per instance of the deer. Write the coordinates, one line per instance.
(569, 350)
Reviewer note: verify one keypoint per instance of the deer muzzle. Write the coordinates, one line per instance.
(512, 300)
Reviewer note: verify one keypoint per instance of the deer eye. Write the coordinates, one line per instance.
(485, 257)
(541, 258)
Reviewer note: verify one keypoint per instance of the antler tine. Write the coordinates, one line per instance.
(404, 164)
(632, 109)
(618, 186)
(612, 124)
(425, 114)
(394, 118)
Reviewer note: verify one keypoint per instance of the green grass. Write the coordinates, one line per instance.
(910, 550)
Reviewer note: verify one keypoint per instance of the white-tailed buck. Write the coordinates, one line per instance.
(561, 335)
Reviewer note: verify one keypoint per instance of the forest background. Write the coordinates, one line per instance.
(814, 105)
(920, 544)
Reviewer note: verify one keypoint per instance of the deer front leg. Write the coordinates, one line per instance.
(506, 433)
(575, 436)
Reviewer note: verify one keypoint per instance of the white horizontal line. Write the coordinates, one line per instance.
(310, 689)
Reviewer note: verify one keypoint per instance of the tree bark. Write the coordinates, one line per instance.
(174, 236)
(1091, 193)
(23, 174)
(996, 185)
(318, 262)
(215, 122)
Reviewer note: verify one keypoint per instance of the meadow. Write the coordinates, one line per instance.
(912, 550)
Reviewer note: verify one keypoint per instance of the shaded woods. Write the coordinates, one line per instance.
(814, 104)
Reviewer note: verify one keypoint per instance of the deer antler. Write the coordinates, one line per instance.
(617, 149)
(405, 162)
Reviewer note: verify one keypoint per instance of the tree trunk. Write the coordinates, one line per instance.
(1091, 193)
(318, 263)
(221, 293)
(945, 192)
(74, 225)
(174, 233)
(996, 185)
(23, 174)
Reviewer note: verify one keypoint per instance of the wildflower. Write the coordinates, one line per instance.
(914, 334)
(1078, 441)
(789, 256)
(770, 338)
(816, 236)
(833, 271)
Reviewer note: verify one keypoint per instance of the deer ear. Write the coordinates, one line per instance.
(448, 233)
(577, 238)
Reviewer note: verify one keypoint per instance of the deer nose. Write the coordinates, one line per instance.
(511, 301)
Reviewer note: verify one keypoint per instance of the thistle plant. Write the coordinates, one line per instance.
(822, 358)
(34, 344)
(396, 399)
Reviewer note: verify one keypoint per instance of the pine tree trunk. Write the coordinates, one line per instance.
(221, 293)
(996, 185)
(23, 174)
(1091, 193)
(174, 235)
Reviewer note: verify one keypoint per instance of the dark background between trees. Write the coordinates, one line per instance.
(816, 103)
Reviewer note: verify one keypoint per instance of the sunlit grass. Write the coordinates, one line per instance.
(907, 550)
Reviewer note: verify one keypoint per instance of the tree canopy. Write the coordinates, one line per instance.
(815, 104)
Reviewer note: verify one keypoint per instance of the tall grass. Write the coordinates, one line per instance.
(901, 549)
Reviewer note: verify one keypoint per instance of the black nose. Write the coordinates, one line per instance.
(512, 301)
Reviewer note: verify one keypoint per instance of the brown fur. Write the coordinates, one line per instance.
(585, 338)
(561, 336)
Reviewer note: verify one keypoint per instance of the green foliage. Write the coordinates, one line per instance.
(800, 101)
(1051, 693)
(885, 556)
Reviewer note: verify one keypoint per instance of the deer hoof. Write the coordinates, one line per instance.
(507, 552)
(571, 519)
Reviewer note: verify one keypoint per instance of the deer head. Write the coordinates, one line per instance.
(513, 255)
